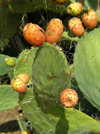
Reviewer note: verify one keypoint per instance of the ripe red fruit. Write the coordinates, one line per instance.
(18, 85)
(90, 19)
(69, 98)
(75, 26)
(74, 8)
(34, 34)
(54, 30)
(24, 77)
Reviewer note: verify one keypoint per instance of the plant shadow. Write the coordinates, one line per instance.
(9, 126)
(57, 113)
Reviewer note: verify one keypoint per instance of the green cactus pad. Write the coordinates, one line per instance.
(3, 43)
(87, 66)
(8, 97)
(49, 72)
(25, 62)
(47, 118)
(9, 23)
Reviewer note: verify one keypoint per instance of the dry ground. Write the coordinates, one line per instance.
(8, 121)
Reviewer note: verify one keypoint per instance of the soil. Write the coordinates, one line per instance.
(9, 121)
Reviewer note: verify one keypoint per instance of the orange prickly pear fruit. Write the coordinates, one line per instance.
(90, 19)
(24, 77)
(74, 8)
(69, 98)
(34, 34)
(18, 85)
(75, 26)
(54, 30)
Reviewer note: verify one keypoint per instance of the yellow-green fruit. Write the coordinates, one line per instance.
(10, 61)
(26, 132)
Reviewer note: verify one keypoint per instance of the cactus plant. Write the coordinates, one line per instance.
(50, 73)
(48, 81)
(47, 118)
(87, 66)
(38, 103)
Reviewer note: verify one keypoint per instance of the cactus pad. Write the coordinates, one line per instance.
(49, 73)
(24, 62)
(49, 119)
(8, 98)
(87, 66)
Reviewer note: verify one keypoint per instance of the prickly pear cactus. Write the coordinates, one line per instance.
(49, 73)
(49, 77)
(46, 118)
(87, 66)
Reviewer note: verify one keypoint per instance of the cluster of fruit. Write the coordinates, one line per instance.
(19, 83)
(76, 25)
(69, 97)
(36, 36)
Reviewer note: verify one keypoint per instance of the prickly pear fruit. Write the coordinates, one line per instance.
(24, 77)
(18, 85)
(59, 2)
(75, 26)
(10, 61)
(90, 19)
(74, 8)
(69, 98)
(34, 34)
(26, 132)
(54, 31)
